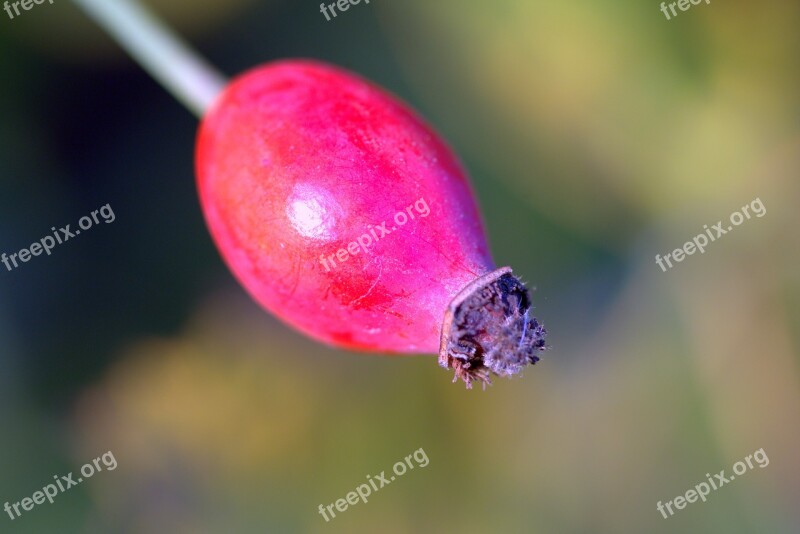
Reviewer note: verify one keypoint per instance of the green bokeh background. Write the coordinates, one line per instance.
(597, 135)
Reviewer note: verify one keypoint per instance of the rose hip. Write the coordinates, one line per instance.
(297, 161)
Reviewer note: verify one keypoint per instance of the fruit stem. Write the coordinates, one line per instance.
(168, 59)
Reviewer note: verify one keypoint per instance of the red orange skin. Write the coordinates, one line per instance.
(297, 159)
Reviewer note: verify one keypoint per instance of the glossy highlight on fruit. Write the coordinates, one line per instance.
(296, 162)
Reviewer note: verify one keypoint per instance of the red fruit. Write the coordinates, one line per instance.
(297, 162)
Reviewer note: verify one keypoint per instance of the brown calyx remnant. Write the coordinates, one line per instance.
(487, 329)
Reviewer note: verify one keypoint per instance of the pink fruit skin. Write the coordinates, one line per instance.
(296, 160)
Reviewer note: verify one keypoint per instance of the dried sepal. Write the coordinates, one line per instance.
(488, 329)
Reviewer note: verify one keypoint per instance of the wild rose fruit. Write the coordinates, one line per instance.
(304, 171)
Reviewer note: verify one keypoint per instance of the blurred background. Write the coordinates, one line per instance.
(597, 134)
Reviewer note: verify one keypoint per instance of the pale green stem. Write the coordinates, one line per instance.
(159, 51)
